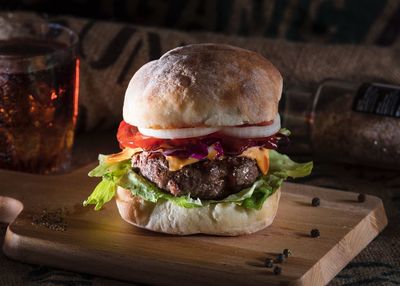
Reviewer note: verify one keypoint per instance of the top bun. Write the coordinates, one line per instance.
(203, 85)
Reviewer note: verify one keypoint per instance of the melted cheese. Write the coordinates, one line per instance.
(125, 154)
(175, 163)
(261, 155)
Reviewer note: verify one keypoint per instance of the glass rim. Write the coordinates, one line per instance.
(70, 45)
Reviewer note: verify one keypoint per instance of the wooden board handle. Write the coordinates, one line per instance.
(27, 191)
(9, 209)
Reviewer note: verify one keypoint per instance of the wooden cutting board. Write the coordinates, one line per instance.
(101, 243)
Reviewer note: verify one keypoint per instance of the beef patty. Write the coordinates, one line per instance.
(206, 179)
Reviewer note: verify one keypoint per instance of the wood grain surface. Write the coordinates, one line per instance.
(103, 244)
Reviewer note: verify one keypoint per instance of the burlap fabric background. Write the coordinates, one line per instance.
(324, 21)
(111, 53)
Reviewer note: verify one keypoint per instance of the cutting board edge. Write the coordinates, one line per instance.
(378, 215)
(16, 247)
(13, 250)
(15, 242)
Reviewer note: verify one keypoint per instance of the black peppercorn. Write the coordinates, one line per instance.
(361, 198)
(269, 263)
(315, 202)
(315, 233)
(280, 258)
(287, 252)
(277, 270)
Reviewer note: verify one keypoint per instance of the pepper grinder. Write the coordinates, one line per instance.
(356, 123)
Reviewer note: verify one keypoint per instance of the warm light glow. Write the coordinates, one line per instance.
(53, 95)
(76, 91)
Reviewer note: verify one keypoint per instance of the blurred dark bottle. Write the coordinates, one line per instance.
(345, 122)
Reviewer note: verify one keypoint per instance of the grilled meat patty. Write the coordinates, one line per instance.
(206, 179)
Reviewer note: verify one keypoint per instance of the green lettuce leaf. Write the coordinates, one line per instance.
(111, 174)
(121, 174)
(282, 166)
(262, 192)
(285, 131)
(115, 169)
(102, 194)
(141, 187)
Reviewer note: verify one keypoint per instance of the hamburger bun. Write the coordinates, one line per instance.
(203, 85)
(224, 219)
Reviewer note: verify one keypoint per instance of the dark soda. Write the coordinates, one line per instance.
(38, 105)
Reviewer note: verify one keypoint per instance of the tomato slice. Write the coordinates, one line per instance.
(129, 136)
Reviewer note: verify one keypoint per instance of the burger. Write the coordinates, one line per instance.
(199, 136)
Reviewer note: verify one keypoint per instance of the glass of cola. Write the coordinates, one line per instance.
(39, 86)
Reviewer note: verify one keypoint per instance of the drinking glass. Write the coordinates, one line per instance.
(39, 86)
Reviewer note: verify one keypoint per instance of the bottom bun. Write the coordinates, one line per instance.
(227, 219)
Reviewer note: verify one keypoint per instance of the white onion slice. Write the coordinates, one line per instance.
(239, 132)
(254, 131)
(177, 133)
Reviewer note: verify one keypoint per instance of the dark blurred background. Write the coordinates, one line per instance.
(347, 40)
(373, 22)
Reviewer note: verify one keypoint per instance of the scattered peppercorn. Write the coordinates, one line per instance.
(277, 270)
(52, 219)
(315, 202)
(280, 258)
(361, 198)
(315, 233)
(287, 252)
(269, 263)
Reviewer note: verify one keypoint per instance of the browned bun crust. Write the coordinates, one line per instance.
(225, 219)
(203, 85)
